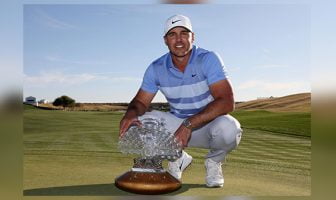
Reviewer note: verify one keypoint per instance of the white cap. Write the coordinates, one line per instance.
(177, 20)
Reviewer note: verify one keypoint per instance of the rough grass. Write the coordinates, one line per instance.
(87, 107)
(291, 103)
(75, 154)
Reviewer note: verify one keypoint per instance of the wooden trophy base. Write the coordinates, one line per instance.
(147, 182)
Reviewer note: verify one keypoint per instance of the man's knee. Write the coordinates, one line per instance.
(225, 132)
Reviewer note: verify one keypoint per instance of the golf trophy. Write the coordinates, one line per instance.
(153, 143)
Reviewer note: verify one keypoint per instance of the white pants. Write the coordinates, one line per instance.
(221, 135)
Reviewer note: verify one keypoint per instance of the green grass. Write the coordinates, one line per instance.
(75, 154)
(277, 122)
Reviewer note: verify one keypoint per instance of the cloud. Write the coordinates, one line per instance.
(61, 60)
(60, 78)
(265, 50)
(125, 10)
(233, 69)
(272, 66)
(271, 86)
(52, 22)
(124, 79)
(52, 78)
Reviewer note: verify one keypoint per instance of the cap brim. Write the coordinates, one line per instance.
(178, 26)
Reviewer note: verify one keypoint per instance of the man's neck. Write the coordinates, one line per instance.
(181, 62)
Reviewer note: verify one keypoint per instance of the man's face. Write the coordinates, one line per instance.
(179, 41)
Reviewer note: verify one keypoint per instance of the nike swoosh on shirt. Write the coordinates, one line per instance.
(173, 22)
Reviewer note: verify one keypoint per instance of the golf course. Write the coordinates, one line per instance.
(74, 153)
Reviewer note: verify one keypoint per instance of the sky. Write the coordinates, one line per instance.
(99, 52)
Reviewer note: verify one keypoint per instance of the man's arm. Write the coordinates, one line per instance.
(223, 103)
(137, 107)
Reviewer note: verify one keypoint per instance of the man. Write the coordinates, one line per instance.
(195, 83)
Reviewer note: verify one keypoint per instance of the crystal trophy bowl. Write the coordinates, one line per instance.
(152, 143)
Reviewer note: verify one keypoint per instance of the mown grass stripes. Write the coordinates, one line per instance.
(79, 139)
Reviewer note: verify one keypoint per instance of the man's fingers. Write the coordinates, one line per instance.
(126, 124)
(180, 140)
(136, 122)
(123, 127)
(121, 132)
(182, 136)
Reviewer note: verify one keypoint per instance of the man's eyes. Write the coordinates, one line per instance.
(171, 34)
(183, 33)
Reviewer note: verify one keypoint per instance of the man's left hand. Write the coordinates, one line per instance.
(183, 135)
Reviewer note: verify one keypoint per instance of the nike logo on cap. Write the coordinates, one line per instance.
(173, 22)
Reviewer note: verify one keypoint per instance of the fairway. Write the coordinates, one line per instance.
(75, 154)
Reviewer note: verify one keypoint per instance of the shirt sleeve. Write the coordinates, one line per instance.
(148, 82)
(214, 68)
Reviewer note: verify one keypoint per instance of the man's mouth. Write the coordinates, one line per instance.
(179, 46)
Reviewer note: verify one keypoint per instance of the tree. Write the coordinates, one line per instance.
(64, 101)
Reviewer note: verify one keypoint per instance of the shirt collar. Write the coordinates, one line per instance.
(191, 58)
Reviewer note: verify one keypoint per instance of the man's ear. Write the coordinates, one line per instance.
(165, 40)
(192, 37)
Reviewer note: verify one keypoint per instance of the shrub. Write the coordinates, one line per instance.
(64, 101)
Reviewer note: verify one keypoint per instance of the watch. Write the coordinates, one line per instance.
(187, 123)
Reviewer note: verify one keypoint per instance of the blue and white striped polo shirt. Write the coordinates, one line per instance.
(187, 93)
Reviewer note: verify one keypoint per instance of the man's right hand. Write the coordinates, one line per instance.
(126, 122)
(137, 107)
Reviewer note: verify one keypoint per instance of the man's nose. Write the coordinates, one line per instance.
(178, 37)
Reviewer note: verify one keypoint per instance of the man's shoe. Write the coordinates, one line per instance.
(176, 168)
(214, 175)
